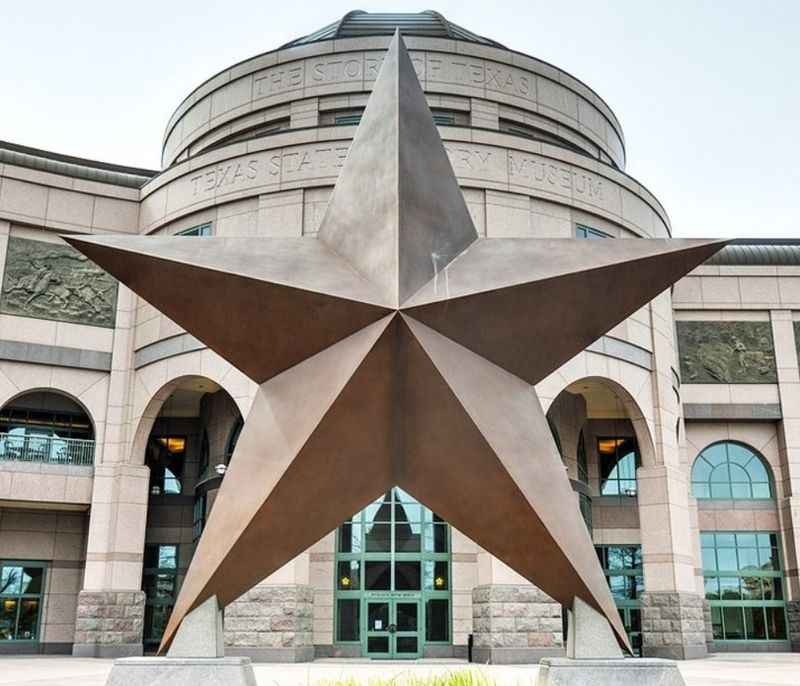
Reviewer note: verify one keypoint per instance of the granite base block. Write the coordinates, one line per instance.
(561, 671)
(182, 671)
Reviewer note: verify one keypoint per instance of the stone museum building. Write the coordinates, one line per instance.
(679, 429)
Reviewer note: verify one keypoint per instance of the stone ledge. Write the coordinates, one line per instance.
(145, 671)
(611, 672)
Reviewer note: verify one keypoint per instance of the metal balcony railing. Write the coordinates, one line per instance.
(49, 449)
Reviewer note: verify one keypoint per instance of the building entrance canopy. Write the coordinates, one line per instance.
(399, 348)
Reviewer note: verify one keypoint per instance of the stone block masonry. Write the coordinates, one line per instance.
(109, 624)
(271, 624)
(515, 623)
(673, 625)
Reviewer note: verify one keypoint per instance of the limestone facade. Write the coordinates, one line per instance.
(255, 151)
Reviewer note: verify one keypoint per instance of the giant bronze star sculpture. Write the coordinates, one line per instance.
(398, 348)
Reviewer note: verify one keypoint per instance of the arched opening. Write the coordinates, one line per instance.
(186, 450)
(728, 470)
(603, 440)
(46, 426)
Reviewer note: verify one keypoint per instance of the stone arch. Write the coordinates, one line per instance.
(55, 391)
(144, 423)
(633, 411)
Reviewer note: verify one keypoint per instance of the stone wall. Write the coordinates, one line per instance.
(515, 623)
(793, 617)
(271, 624)
(109, 624)
(673, 625)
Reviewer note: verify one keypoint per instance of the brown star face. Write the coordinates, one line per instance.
(397, 349)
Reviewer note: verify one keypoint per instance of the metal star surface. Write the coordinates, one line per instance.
(397, 349)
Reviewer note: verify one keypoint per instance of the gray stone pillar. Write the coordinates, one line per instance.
(515, 624)
(673, 625)
(109, 624)
(793, 619)
(271, 624)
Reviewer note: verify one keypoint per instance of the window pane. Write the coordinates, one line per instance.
(701, 490)
(378, 538)
(11, 580)
(406, 644)
(709, 559)
(437, 622)
(377, 616)
(721, 490)
(616, 558)
(741, 491)
(406, 616)
(378, 644)
(404, 512)
(348, 619)
(748, 558)
(8, 619)
(726, 558)
(350, 538)
(754, 623)
(715, 454)
(407, 576)
(377, 575)
(348, 577)
(407, 537)
(729, 588)
(28, 616)
(751, 588)
(746, 540)
(776, 623)
(726, 540)
(712, 588)
(618, 587)
(734, 623)
(761, 490)
(716, 622)
(701, 471)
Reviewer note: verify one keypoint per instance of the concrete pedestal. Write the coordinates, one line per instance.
(561, 671)
(182, 671)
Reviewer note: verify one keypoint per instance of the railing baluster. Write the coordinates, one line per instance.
(47, 449)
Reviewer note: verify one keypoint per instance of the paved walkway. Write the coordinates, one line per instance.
(768, 669)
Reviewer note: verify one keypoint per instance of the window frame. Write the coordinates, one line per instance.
(708, 483)
(197, 231)
(740, 574)
(19, 597)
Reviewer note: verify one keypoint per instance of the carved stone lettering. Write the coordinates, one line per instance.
(278, 79)
(543, 173)
(726, 352)
(53, 281)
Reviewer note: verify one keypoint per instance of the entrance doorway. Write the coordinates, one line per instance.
(393, 628)
(393, 582)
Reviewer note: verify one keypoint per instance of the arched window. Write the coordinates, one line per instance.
(233, 438)
(43, 426)
(556, 437)
(730, 471)
(619, 459)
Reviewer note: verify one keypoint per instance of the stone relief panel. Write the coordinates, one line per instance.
(53, 281)
(726, 352)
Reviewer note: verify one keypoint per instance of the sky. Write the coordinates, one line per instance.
(708, 93)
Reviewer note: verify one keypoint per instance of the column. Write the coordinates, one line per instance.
(110, 613)
(673, 625)
(783, 334)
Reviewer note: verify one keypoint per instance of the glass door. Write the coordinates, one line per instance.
(393, 628)
(377, 634)
(406, 634)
